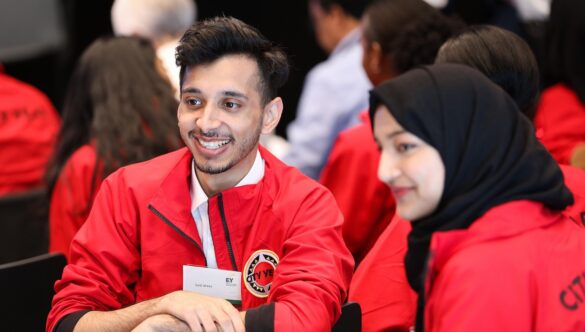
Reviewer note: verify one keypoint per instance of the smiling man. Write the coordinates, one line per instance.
(218, 236)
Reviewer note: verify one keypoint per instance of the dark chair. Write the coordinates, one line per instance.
(350, 320)
(27, 290)
(23, 225)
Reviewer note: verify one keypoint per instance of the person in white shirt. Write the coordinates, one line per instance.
(335, 91)
(162, 22)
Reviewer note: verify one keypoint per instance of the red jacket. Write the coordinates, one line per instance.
(28, 130)
(520, 267)
(351, 174)
(380, 285)
(560, 122)
(575, 181)
(140, 232)
(72, 197)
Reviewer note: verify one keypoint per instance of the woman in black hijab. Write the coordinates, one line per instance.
(489, 245)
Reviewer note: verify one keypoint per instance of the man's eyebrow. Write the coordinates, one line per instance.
(190, 90)
(234, 94)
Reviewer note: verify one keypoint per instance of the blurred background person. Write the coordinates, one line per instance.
(119, 109)
(162, 22)
(29, 123)
(397, 35)
(506, 59)
(335, 91)
(28, 131)
(560, 117)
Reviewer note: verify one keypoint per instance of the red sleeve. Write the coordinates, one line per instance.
(380, 285)
(313, 275)
(351, 175)
(107, 242)
(72, 198)
(560, 122)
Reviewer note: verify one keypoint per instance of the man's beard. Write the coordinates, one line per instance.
(248, 144)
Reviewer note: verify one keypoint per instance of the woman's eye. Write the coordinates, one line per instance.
(405, 147)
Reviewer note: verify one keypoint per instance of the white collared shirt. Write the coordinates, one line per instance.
(199, 206)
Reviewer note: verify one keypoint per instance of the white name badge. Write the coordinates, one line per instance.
(213, 282)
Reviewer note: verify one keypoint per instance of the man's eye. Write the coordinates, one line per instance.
(231, 104)
(193, 102)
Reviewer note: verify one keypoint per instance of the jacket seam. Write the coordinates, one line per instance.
(174, 227)
(226, 231)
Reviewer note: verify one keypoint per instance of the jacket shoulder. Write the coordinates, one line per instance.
(290, 189)
(151, 173)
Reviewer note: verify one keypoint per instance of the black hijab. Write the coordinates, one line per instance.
(488, 147)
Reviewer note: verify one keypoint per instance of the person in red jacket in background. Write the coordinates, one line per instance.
(28, 131)
(489, 249)
(119, 109)
(169, 241)
(560, 118)
(397, 35)
(508, 61)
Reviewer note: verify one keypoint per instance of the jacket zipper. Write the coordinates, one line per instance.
(226, 231)
(168, 222)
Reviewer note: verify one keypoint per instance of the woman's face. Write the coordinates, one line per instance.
(411, 168)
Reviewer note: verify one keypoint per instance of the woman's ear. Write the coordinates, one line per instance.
(271, 115)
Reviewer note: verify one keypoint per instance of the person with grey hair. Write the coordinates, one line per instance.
(160, 21)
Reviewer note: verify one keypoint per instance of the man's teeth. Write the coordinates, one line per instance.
(214, 144)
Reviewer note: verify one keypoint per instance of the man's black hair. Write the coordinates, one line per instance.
(354, 8)
(209, 40)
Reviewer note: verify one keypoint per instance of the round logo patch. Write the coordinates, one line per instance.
(259, 272)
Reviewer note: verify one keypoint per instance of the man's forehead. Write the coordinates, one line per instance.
(234, 64)
(237, 70)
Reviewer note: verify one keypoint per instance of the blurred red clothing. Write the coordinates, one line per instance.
(29, 125)
(575, 181)
(560, 122)
(380, 286)
(72, 197)
(351, 174)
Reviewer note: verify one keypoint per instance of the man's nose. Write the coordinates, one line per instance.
(208, 118)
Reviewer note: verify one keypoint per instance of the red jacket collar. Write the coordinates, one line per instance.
(173, 199)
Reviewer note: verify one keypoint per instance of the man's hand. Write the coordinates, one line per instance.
(203, 313)
(162, 323)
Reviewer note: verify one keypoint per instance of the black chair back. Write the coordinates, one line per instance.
(27, 291)
(23, 225)
(350, 320)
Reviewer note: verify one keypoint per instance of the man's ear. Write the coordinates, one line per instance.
(271, 115)
(375, 58)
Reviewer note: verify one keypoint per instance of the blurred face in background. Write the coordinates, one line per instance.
(325, 25)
